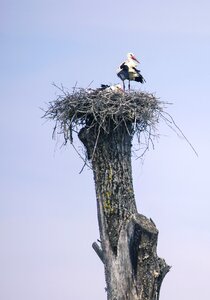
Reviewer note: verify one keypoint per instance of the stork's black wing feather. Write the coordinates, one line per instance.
(123, 74)
(138, 71)
(124, 67)
(140, 78)
(104, 86)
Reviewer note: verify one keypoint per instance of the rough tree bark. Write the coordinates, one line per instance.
(128, 239)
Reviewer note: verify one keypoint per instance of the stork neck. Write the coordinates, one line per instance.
(131, 63)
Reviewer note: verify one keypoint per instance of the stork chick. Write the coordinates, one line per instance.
(111, 88)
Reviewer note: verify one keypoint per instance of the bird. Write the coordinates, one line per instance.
(116, 88)
(111, 88)
(128, 71)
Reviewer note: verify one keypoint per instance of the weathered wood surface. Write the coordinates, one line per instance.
(128, 239)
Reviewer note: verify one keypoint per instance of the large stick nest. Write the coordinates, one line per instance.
(71, 111)
(103, 109)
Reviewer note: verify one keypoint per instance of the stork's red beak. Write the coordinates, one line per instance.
(134, 58)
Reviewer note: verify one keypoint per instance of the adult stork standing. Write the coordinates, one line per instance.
(128, 71)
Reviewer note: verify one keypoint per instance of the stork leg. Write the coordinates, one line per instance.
(123, 85)
(129, 85)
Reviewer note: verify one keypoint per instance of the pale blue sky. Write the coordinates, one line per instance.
(47, 210)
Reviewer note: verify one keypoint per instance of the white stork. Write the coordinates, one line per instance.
(111, 88)
(128, 71)
(116, 88)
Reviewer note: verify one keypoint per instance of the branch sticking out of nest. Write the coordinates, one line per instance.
(99, 108)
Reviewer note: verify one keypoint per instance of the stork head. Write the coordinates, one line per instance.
(116, 88)
(119, 88)
(132, 56)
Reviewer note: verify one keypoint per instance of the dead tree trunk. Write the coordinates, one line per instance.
(128, 239)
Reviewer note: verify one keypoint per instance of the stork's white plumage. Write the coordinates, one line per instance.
(132, 61)
(111, 88)
(116, 88)
(128, 71)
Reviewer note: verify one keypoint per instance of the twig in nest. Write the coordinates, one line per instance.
(171, 121)
(100, 108)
